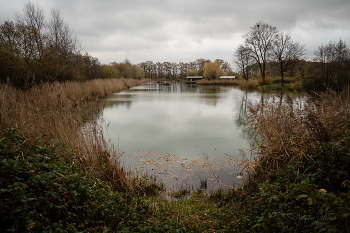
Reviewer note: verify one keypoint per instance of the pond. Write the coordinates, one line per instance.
(188, 136)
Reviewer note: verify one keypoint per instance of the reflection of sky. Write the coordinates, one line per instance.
(177, 120)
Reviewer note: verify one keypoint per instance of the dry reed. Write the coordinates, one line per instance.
(290, 127)
(59, 112)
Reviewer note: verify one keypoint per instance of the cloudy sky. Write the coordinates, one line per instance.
(185, 30)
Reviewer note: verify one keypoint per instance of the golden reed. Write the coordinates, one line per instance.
(58, 112)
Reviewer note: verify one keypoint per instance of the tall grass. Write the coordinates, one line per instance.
(59, 112)
(290, 126)
(300, 169)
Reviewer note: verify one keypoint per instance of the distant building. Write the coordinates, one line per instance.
(228, 77)
(192, 79)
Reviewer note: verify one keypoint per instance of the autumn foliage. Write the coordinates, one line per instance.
(34, 50)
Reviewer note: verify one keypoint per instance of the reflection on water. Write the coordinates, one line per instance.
(181, 132)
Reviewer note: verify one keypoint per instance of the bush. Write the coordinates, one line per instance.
(43, 190)
(301, 180)
(268, 80)
(309, 196)
(298, 85)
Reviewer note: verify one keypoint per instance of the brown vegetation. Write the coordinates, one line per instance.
(288, 127)
(60, 112)
(34, 50)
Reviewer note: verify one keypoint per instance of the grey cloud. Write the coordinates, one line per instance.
(183, 30)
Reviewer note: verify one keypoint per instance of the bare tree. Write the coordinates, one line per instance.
(159, 68)
(260, 41)
(193, 66)
(174, 69)
(333, 60)
(33, 17)
(183, 67)
(219, 61)
(244, 60)
(342, 63)
(150, 68)
(225, 66)
(167, 68)
(200, 65)
(33, 50)
(60, 36)
(286, 53)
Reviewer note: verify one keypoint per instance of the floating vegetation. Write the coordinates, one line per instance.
(179, 174)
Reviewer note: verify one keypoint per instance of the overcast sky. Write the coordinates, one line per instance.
(185, 30)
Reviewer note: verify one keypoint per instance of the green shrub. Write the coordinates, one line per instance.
(298, 85)
(268, 80)
(43, 190)
(307, 196)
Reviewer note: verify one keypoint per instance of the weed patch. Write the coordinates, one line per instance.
(44, 190)
(300, 178)
(309, 196)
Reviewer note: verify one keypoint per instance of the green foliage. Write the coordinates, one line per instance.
(181, 193)
(212, 70)
(110, 72)
(192, 72)
(42, 190)
(298, 85)
(122, 70)
(307, 196)
(268, 80)
(139, 72)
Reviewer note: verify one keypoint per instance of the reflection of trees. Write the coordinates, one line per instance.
(242, 119)
(211, 101)
(165, 86)
(211, 94)
(243, 114)
(90, 111)
(111, 103)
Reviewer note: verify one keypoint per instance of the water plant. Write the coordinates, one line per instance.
(204, 183)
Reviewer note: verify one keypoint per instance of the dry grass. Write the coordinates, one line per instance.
(289, 127)
(244, 84)
(59, 112)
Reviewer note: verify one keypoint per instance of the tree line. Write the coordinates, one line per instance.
(173, 70)
(34, 50)
(266, 50)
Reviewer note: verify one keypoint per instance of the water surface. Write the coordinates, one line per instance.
(180, 132)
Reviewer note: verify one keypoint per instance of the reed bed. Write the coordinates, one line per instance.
(244, 84)
(291, 127)
(62, 112)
